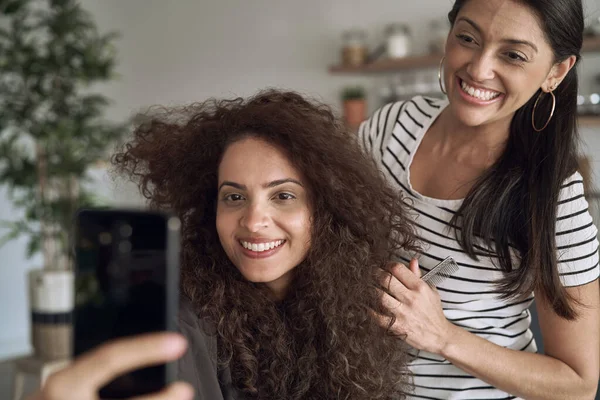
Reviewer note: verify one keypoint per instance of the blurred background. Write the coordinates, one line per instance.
(353, 54)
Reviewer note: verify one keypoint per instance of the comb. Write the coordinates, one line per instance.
(440, 272)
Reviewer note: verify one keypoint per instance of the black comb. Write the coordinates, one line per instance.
(440, 272)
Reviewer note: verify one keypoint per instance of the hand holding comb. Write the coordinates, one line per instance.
(440, 272)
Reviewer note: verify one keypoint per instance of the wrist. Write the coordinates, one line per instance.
(451, 342)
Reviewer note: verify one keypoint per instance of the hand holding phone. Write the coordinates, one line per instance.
(94, 369)
(126, 284)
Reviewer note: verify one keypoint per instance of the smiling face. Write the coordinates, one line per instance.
(497, 57)
(263, 213)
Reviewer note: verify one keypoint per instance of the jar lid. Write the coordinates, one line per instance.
(397, 27)
(354, 33)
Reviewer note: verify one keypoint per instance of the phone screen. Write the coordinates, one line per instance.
(126, 284)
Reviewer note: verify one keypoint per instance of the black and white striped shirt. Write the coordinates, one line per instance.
(392, 136)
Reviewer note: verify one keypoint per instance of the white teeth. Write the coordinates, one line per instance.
(259, 247)
(478, 93)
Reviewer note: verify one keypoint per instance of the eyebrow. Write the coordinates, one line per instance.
(271, 184)
(508, 40)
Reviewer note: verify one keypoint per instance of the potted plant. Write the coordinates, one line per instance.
(51, 131)
(354, 105)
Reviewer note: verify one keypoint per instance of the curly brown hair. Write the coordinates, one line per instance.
(323, 340)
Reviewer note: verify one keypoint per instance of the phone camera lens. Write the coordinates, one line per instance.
(125, 246)
(125, 230)
(105, 238)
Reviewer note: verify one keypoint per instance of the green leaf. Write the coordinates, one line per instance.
(15, 229)
(51, 55)
(59, 3)
(9, 237)
(12, 7)
(34, 246)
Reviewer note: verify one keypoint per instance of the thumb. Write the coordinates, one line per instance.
(414, 267)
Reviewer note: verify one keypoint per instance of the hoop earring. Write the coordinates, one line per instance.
(551, 112)
(440, 75)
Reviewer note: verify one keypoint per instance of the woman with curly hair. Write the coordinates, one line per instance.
(286, 227)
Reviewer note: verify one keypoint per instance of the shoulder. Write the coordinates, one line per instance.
(191, 325)
(576, 235)
(410, 115)
(199, 365)
(572, 214)
(572, 203)
(572, 186)
(421, 108)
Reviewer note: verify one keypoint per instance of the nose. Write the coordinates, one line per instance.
(255, 217)
(481, 67)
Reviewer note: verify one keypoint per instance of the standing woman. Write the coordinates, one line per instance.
(492, 178)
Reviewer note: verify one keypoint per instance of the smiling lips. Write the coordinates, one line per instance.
(262, 246)
(479, 94)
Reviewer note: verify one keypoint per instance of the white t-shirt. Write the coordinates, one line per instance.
(392, 136)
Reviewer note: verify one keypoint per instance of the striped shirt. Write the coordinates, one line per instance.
(392, 136)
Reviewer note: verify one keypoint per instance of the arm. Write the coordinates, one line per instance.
(569, 370)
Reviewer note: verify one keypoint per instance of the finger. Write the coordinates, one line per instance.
(175, 391)
(392, 264)
(110, 360)
(394, 306)
(385, 322)
(406, 276)
(382, 320)
(414, 267)
(392, 285)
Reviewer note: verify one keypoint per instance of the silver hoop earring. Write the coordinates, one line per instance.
(551, 111)
(440, 75)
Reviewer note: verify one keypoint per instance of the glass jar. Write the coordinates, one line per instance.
(398, 40)
(354, 50)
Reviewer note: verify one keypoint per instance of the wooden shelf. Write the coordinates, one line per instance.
(590, 44)
(589, 121)
(390, 65)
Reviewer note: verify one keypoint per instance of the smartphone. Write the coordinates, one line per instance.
(126, 283)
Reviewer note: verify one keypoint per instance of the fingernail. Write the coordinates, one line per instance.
(176, 343)
(185, 391)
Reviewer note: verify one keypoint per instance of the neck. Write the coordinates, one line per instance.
(473, 145)
(278, 289)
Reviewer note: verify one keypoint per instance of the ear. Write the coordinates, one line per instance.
(558, 73)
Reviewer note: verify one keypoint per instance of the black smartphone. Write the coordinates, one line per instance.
(126, 283)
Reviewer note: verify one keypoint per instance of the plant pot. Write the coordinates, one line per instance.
(355, 112)
(51, 301)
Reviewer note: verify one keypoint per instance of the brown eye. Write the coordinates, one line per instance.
(465, 38)
(233, 197)
(285, 196)
(515, 56)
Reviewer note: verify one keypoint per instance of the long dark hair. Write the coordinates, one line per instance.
(513, 206)
(323, 340)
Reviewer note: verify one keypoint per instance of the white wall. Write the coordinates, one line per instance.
(187, 50)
